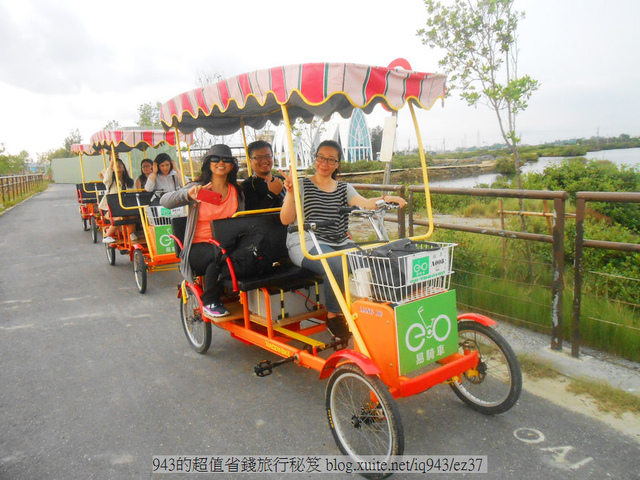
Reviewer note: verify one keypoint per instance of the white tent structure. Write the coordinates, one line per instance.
(351, 133)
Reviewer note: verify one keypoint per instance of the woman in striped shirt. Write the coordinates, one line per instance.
(322, 195)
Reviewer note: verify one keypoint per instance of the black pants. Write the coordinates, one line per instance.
(204, 258)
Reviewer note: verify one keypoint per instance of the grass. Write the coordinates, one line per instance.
(536, 369)
(608, 399)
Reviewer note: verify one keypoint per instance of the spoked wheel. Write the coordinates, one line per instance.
(94, 230)
(198, 331)
(85, 224)
(140, 270)
(363, 416)
(111, 254)
(495, 385)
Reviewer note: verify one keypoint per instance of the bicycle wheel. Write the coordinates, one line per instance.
(85, 224)
(94, 230)
(140, 270)
(363, 416)
(198, 331)
(495, 385)
(111, 254)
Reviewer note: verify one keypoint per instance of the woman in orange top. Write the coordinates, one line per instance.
(219, 174)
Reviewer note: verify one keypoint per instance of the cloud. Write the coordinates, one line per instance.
(46, 49)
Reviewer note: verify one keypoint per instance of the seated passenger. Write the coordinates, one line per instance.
(116, 173)
(263, 189)
(146, 166)
(219, 174)
(322, 195)
(165, 177)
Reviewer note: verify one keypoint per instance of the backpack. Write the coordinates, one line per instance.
(251, 254)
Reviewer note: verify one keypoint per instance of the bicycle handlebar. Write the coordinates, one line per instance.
(309, 226)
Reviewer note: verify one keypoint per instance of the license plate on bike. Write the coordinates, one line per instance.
(427, 331)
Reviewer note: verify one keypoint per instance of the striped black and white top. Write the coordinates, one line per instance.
(322, 206)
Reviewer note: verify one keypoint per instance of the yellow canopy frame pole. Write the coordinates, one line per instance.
(178, 148)
(425, 175)
(246, 151)
(340, 297)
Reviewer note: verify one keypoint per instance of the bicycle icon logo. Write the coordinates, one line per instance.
(419, 332)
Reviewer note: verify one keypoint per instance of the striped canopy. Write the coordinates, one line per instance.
(308, 90)
(83, 148)
(127, 140)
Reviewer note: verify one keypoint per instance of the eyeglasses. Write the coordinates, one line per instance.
(328, 161)
(222, 159)
(260, 158)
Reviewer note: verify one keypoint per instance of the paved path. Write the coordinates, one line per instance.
(96, 378)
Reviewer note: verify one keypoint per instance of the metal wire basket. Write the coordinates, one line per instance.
(403, 278)
(157, 215)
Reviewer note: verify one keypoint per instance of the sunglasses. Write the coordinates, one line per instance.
(222, 159)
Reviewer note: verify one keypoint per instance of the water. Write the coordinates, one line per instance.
(625, 156)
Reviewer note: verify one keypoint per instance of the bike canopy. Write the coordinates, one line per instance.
(127, 140)
(307, 90)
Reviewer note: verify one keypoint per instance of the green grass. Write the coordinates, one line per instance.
(608, 398)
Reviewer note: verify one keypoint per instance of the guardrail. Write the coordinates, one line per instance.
(556, 239)
(13, 187)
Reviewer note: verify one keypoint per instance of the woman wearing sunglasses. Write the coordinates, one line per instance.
(322, 195)
(215, 194)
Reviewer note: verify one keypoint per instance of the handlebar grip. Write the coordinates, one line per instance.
(347, 210)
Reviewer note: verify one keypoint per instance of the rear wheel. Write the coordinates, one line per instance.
(85, 224)
(494, 386)
(111, 254)
(94, 230)
(363, 416)
(198, 331)
(140, 270)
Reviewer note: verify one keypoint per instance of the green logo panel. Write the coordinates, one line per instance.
(164, 243)
(427, 331)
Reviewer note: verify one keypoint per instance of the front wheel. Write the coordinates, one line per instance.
(494, 386)
(94, 230)
(198, 331)
(111, 254)
(363, 416)
(140, 270)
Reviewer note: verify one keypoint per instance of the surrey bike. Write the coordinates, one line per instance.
(89, 194)
(144, 227)
(406, 333)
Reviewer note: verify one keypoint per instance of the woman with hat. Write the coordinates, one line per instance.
(219, 175)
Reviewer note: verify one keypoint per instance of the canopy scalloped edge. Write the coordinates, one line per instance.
(83, 148)
(127, 140)
(308, 90)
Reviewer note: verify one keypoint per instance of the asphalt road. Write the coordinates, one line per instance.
(95, 379)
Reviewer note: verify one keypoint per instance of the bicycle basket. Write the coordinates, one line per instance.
(417, 270)
(157, 215)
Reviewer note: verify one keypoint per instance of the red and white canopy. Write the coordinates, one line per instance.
(83, 148)
(308, 90)
(127, 140)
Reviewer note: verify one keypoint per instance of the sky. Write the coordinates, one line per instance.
(78, 64)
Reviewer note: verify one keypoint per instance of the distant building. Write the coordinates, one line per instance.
(351, 133)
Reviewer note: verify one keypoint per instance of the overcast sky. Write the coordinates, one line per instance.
(77, 64)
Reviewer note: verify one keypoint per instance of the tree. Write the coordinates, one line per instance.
(13, 164)
(149, 115)
(376, 140)
(481, 58)
(112, 125)
(480, 42)
(74, 137)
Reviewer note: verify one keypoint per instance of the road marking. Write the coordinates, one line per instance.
(18, 327)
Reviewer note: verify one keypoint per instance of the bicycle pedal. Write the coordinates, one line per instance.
(263, 369)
